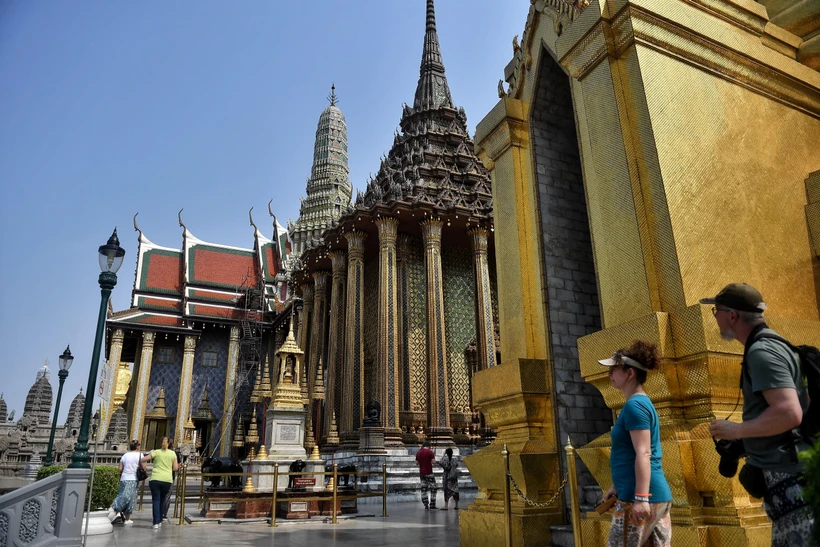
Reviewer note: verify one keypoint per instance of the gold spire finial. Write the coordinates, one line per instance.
(332, 97)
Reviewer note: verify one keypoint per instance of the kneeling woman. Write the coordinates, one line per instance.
(644, 498)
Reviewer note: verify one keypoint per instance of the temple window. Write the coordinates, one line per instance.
(165, 355)
(210, 359)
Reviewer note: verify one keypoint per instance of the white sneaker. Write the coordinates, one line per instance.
(128, 522)
(155, 527)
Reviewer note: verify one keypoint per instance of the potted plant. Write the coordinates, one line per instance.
(106, 485)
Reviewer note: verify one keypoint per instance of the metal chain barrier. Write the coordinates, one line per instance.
(542, 505)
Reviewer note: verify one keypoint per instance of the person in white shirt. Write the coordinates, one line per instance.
(127, 494)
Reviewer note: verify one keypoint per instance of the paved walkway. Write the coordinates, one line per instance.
(408, 524)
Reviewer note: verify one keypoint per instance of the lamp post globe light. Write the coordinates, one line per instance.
(111, 255)
(65, 363)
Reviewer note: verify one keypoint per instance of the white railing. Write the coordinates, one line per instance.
(48, 512)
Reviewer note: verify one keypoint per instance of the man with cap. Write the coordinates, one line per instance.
(772, 388)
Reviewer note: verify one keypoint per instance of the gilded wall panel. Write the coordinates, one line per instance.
(616, 239)
(416, 336)
(756, 231)
(459, 321)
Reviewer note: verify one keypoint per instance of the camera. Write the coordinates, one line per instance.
(730, 454)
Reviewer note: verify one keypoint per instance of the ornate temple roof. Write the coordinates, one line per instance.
(38, 400)
(328, 189)
(3, 410)
(203, 280)
(432, 162)
(75, 411)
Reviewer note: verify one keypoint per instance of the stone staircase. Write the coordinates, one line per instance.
(403, 483)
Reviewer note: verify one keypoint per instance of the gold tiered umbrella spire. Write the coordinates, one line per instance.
(287, 393)
(239, 438)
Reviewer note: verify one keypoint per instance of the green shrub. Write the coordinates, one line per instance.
(44, 471)
(811, 459)
(106, 484)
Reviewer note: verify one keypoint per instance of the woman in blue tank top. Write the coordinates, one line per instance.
(644, 498)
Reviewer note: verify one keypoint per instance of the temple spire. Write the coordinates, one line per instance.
(432, 90)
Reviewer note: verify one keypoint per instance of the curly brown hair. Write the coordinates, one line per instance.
(646, 354)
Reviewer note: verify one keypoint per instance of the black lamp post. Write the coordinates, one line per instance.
(111, 255)
(65, 363)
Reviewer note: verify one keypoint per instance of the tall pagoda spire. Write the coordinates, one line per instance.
(328, 188)
(432, 90)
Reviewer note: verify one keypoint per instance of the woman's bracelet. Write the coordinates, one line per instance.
(639, 497)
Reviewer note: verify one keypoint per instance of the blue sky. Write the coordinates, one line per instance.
(112, 108)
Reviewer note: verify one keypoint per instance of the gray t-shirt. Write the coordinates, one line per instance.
(771, 364)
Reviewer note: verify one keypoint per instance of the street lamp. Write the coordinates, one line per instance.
(111, 255)
(65, 363)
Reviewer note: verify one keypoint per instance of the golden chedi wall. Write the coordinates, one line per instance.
(697, 125)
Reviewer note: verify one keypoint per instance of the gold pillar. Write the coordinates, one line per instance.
(353, 393)
(184, 395)
(316, 342)
(305, 320)
(438, 404)
(317, 331)
(229, 402)
(389, 331)
(141, 393)
(113, 367)
(336, 339)
(514, 397)
(486, 349)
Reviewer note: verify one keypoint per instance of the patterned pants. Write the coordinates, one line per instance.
(124, 502)
(791, 516)
(654, 532)
(428, 484)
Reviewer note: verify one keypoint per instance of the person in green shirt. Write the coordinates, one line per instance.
(165, 463)
(773, 401)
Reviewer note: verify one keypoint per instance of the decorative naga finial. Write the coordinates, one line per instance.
(332, 97)
(250, 216)
(137, 228)
(179, 217)
(270, 211)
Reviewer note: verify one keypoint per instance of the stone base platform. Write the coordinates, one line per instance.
(253, 505)
(257, 505)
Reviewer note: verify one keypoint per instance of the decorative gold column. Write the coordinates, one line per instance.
(305, 320)
(438, 405)
(226, 432)
(515, 397)
(389, 332)
(486, 349)
(316, 343)
(317, 331)
(141, 393)
(184, 395)
(353, 393)
(112, 366)
(336, 340)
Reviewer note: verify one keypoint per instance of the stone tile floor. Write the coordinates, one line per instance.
(407, 524)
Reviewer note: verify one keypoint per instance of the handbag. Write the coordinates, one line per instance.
(606, 505)
(142, 474)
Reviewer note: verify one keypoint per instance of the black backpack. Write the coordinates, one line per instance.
(810, 370)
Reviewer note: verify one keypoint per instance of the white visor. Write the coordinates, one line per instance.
(626, 360)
